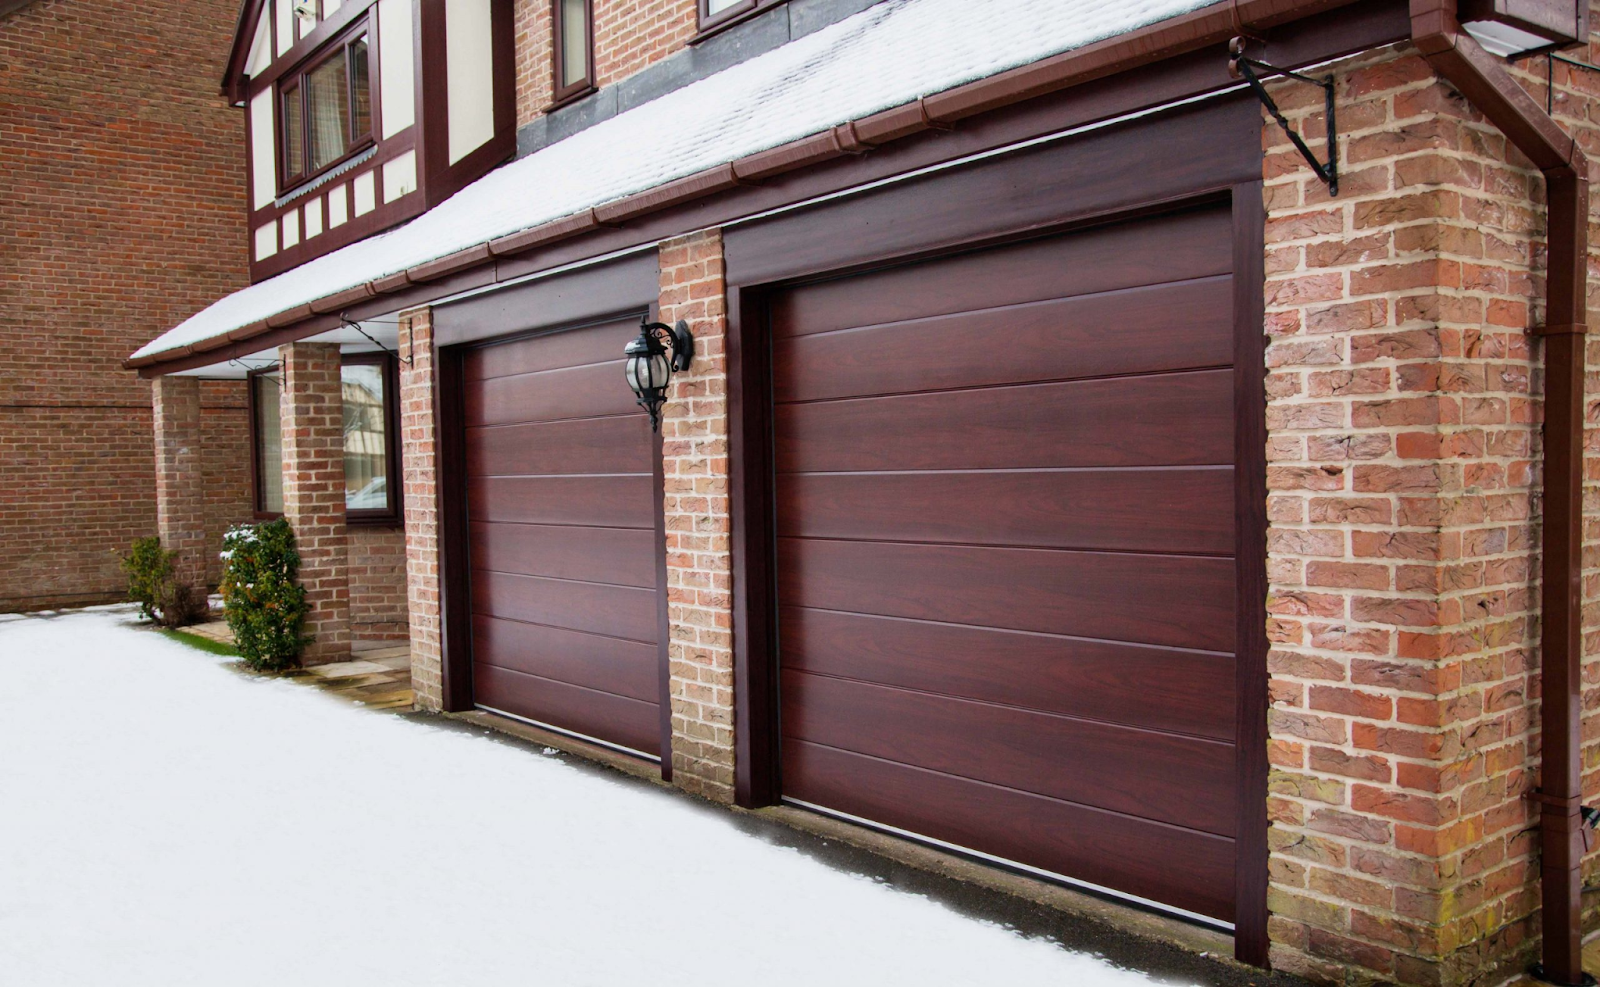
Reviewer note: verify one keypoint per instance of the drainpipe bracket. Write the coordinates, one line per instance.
(1562, 329)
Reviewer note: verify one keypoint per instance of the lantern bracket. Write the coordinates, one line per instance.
(1244, 67)
(678, 339)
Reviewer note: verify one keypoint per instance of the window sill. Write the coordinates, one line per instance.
(732, 20)
(569, 99)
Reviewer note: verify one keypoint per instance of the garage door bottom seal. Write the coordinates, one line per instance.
(575, 735)
(1099, 891)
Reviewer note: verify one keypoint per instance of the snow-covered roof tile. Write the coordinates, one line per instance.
(890, 54)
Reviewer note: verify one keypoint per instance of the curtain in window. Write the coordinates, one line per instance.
(328, 102)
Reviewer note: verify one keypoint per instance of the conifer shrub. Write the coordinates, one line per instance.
(265, 607)
(153, 584)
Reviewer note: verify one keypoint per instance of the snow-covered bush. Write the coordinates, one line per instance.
(265, 607)
(153, 585)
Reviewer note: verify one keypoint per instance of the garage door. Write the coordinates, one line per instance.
(1006, 584)
(562, 506)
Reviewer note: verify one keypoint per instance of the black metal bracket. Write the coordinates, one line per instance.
(1246, 68)
(350, 323)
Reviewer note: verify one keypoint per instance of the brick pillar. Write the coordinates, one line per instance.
(699, 567)
(313, 492)
(417, 448)
(1403, 422)
(180, 484)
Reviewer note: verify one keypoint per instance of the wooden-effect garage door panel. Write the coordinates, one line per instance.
(562, 506)
(1005, 536)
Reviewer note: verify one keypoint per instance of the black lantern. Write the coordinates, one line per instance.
(649, 367)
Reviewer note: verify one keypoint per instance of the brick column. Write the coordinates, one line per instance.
(699, 566)
(180, 484)
(1402, 462)
(417, 447)
(313, 492)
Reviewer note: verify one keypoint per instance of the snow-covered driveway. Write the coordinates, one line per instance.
(166, 821)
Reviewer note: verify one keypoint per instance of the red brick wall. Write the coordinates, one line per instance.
(377, 583)
(417, 445)
(628, 36)
(110, 107)
(312, 411)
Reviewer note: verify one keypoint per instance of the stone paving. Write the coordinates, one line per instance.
(377, 676)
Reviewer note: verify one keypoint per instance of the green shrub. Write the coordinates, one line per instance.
(264, 605)
(153, 585)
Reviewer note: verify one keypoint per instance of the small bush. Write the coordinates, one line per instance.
(264, 605)
(153, 585)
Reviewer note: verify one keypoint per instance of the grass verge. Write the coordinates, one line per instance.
(201, 643)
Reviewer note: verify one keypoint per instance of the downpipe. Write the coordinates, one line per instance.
(1484, 81)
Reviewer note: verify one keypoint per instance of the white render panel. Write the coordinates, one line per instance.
(313, 214)
(469, 75)
(885, 56)
(400, 176)
(397, 98)
(263, 151)
(365, 191)
(291, 228)
(328, 8)
(338, 205)
(283, 13)
(266, 240)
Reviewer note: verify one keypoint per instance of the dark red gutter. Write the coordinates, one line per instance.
(1483, 79)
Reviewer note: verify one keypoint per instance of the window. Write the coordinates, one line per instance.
(716, 13)
(371, 473)
(326, 109)
(572, 39)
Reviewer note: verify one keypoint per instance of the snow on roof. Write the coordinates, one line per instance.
(885, 56)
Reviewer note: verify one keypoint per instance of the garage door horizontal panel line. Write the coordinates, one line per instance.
(1004, 385)
(550, 370)
(559, 627)
(1180, 467)
(1198, 652)
(1043, 549)
(571, 685)
(558, 579)
(552, 421)
(562, 524)
(1108, 294)
(546, 476)
(954, 543)
(1113, 813)
(1020, 707)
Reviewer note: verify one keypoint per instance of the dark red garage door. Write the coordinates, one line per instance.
(1005, 518)
(562, 508)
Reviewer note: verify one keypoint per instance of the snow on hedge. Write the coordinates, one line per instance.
(168, 821)
(887, 55)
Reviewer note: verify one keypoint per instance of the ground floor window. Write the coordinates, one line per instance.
(368, 383)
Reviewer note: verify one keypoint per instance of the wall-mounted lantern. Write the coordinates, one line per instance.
(649, 368)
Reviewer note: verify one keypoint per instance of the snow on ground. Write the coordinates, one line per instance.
(168, 821)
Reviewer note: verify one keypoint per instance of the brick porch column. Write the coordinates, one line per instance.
(313, 492)
(417, 430)
(694, 431)
(180, 486)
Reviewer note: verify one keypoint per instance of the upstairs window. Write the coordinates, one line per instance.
(716, 13)
(326, 108)
(572, 36)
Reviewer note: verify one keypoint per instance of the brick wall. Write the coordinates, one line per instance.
(225, 462)
(312, 412)
(110, 105)
(1403, 412)
(377, 577)
(628, 36)
(694, 431)
(180, 486)
(421, 506)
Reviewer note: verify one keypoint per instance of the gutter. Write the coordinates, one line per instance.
(1483, 79)
(1215, 24)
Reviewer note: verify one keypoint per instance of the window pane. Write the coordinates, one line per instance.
(269, 442)
(294, 153)
(574, 43)
(360, 88)
(328, 104)
(366, 453)
(715, 7)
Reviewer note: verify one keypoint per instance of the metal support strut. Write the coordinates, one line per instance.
(1245, 68)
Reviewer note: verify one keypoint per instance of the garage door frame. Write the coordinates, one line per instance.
(1211, 152)
(617, 288)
